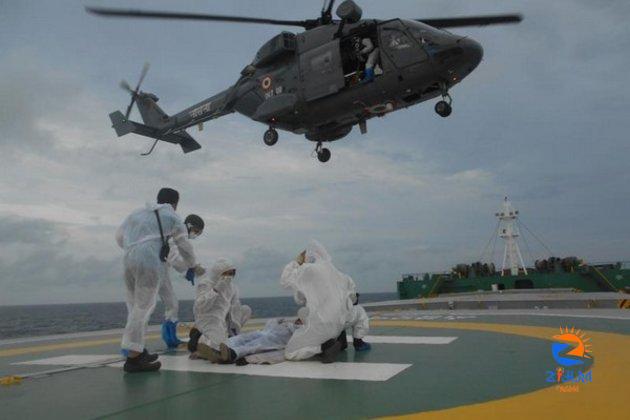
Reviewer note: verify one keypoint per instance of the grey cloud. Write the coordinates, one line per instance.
(52, 269)
(543, 119)
(14, 230)
(259, 270)
(55, 276)
(30, 89)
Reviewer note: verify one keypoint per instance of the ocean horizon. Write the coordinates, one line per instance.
(61, 318)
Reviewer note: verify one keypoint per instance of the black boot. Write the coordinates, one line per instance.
(330, 350)
(343, 339)
(194, 337)
(140, 364)
(360, 345)
(149, 357)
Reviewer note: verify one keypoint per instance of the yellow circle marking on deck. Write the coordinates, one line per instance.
(65, 345)
(605, 397)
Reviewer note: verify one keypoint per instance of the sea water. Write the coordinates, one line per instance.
(34, 320)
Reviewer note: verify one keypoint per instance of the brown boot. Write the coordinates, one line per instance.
(208, 353)
(227, 354)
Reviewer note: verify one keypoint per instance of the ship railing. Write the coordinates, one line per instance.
(625, 265)
(420, 276)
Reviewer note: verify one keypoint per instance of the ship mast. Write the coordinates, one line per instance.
(512, 257)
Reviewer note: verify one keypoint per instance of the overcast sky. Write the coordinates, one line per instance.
(543, 119)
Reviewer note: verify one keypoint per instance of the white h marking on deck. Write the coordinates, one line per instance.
(304, 370)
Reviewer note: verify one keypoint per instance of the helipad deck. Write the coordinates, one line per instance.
(490, 364)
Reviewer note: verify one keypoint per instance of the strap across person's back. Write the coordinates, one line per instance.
(157, 215)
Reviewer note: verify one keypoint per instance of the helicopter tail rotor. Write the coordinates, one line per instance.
(134, 92)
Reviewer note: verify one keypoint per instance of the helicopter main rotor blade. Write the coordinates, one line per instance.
(150, 14)
(458, 22)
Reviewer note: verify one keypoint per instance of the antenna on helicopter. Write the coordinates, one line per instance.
(327, 12)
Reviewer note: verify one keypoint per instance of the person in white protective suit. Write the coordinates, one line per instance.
(359, 324)
(218, 311)
(194, 225)
(358, 321)
(327, 296)
(367, 53)
(274, 336)
(143, 235)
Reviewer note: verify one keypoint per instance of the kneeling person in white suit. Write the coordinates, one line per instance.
(327, 295)
(218, 311)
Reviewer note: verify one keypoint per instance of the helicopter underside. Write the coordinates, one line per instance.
(326, 120)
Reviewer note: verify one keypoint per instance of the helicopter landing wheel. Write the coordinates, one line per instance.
(443, 109)
(271, 137)
(323, 154)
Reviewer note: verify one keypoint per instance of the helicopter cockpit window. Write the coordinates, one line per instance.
(402, 49)
(423, 36)
(396, 40)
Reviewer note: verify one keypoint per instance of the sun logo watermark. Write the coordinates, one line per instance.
(571, 350)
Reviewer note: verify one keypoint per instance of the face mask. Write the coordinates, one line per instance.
(226, 279)
(192, 234)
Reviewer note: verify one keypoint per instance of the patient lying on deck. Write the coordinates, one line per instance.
(274, 336)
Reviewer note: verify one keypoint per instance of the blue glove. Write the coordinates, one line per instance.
(190, 275)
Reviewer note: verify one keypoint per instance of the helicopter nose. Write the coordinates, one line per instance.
(473, 52)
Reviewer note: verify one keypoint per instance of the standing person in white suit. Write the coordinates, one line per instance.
(327, 295)
(194, 225)
(143, 235)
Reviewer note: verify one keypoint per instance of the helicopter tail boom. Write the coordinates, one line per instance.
(123, 126)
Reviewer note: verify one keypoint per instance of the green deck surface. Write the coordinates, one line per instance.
(479, 366)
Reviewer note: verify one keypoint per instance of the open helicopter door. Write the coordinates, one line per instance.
(321, 71)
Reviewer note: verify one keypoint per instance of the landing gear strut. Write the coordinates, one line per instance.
(443, 108)
(271, 137)
(323, 154)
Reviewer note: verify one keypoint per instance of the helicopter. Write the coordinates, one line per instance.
(322, 82)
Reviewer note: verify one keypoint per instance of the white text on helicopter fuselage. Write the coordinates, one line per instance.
(200, 110)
